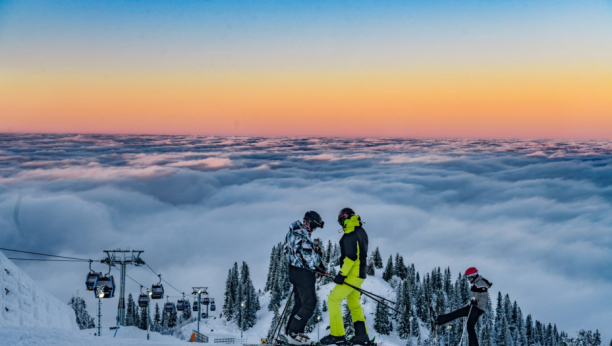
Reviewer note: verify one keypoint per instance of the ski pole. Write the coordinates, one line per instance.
(465, 325)
(281, 319)
(367, 293)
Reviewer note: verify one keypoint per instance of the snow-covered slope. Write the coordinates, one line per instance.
(216, 327)
(25, 304)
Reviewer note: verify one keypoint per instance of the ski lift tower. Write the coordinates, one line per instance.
(122, 258)
(199, 291)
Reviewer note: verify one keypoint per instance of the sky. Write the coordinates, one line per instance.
(533, 216)
(445, 69)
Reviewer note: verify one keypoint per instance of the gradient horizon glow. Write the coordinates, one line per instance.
(510, 69)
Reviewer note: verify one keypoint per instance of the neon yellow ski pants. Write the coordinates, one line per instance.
(353, 300)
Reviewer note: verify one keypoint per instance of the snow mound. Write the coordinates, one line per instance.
(24, 304)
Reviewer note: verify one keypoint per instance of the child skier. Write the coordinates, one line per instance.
(480, 296)
(304, 259)
(353, 257)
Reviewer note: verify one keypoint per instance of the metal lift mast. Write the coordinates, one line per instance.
(122, 258)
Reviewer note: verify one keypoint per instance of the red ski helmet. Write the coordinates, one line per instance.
(472, 271)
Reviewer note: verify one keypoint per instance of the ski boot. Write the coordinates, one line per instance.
(363, 340)
(334, 340)
(298, 339)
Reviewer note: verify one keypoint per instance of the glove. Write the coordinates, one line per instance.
(474, 302)
(339, 279)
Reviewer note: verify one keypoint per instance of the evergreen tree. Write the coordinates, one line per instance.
(156, 319)
(405, 324)
(370, 267)
(325, 307)
(388, 273)
(173, 318)
(378, 261)
(164, 321)
(186, 313)
(228, 300)
(485, 336)
(499, 314)
(129, 312)
(382, 324)
(273, 325)
(504, 338)
(83, 320)
(144, 319)
(136, 316)
(271, 270)
(529, 332)
(400, 268)
(249, 299)
(329, 253)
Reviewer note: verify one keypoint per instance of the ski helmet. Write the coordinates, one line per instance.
(313, 220)
(472, 271)
(344, 214)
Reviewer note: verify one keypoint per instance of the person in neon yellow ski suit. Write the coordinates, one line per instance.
(353, 260)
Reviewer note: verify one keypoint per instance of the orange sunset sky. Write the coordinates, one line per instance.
(486, 69)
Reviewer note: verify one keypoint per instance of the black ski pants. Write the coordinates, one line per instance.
(471, 323)
(305, 297)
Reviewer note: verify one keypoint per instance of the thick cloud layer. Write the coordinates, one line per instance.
(533, 216)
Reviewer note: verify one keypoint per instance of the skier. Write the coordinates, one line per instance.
(353, 257)
(304, 260)
(480, 297)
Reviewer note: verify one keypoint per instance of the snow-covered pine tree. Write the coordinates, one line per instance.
(275, 321)
(388, 273)
(237, 292)
(382, 324)
(83, 320)
(173, 319)
(329, 254)
(186, 314)
(529, 330)
(336, 256)
(504, 338)
(228, 297)
(144, 319)
(324, 309)
(378, 261)
(370, 267)
(485, 335)
(129, 312)
(250, 299)
(400, 268)
(164, 321)
(156, 319)
(271, 270)
(404, 324)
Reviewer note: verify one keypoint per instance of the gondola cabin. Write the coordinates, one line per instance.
(213, 307)
(158, 291)
(180, 305)
(169, 307)
(204, 315)
(195, 306)
(206, 301)
(90, 281)
(143, 301)
(108, 287)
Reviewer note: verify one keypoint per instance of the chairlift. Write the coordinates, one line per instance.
(92, 277)
(180, 304)
(143, 301)
(157, 290)
(169, 307)
(107, 284)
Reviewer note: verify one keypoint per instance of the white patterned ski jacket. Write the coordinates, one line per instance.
(480, 292)
(299, 247)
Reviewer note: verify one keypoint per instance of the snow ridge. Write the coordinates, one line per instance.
(23, 303)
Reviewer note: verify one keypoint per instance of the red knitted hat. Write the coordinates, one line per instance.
(471, 272)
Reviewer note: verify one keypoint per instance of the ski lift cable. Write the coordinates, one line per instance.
(134, 280)
(162, 279)
(44, 260)
(42, 254)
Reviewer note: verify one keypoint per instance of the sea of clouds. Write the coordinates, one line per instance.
(535, 217)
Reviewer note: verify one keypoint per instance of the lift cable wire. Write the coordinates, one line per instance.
(162, 279)
(141, 285)
(43, 254)
(44, 260)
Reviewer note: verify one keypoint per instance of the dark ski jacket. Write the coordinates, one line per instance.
(354, 249)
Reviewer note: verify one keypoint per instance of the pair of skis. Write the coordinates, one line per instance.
(314, 343)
